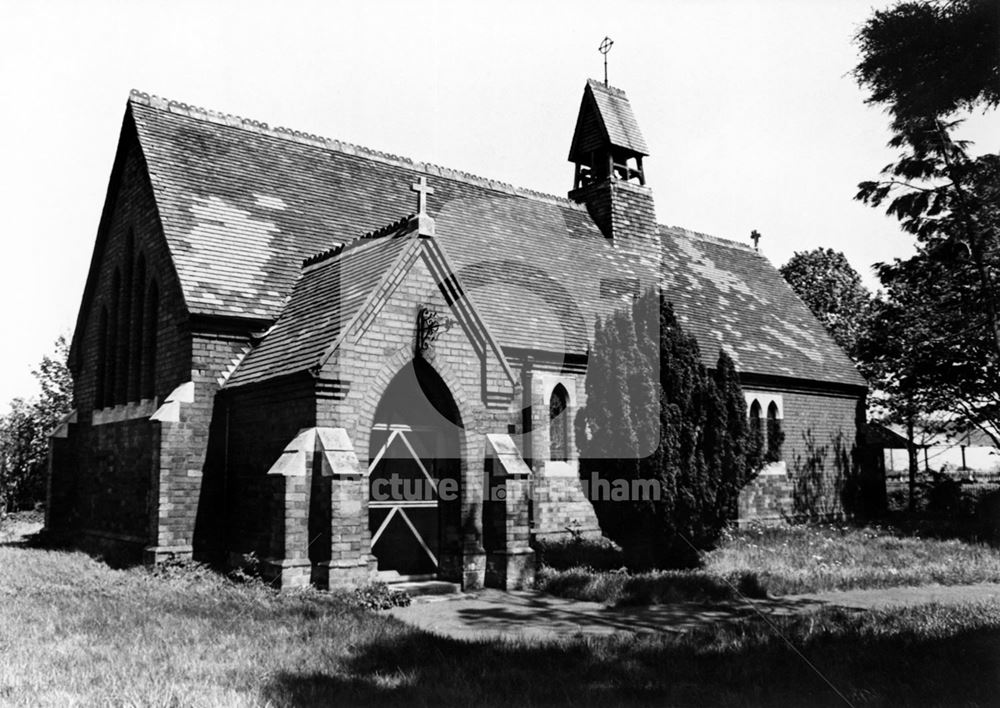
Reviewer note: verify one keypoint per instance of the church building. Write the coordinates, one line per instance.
(349, 365)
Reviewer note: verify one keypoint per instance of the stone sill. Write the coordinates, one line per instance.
(774, 468)
(561, 468)
(113, 536)
(125, 411)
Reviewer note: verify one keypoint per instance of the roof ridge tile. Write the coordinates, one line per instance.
(709, 237)
(380, 232)
(613, 90)
(235, 121)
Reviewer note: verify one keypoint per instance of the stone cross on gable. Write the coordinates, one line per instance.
(422, 189)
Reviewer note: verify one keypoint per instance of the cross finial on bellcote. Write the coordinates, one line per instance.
(422, 189)
(755, 237)
(604, 49)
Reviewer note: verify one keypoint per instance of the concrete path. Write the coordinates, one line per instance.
(894, 597)
(491, 614)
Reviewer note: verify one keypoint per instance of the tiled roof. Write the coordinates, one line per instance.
(332, 290)
(243, 204)
(728, 295)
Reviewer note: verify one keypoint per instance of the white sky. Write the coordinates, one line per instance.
(748, 109)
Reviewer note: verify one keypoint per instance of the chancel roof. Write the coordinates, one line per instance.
(728, 295)
(243, 204)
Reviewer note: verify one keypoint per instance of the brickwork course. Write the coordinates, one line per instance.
(258, 296)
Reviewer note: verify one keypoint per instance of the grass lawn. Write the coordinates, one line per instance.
(75, 632)
(776, 561)
(813, 558)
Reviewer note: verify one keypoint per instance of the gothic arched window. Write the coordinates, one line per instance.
(100, 368)
(123, 356)
(111, 352)
(136, 345)
(150, 318)
(774, 435)
(756, 426)
(558, 425)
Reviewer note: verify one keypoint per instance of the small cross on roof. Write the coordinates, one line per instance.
(422, 189)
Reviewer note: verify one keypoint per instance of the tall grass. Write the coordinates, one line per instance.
(762, 561)
(75, 632)
(813, 558)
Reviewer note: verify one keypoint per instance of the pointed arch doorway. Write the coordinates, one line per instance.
(414, 473)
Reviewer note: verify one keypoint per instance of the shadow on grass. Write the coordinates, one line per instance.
(18, 538)
(523, 612)
(745, 664)
(112, 556)
(661, 586)
(20, 542)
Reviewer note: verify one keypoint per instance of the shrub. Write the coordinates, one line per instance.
(944, 495)
(247, 569)
(988, 516)
(184, 571)
(694, 423)
(379, 596)
(25, 430)
(597, 553)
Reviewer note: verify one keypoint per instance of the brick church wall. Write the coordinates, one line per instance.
(159, 467)
(818, 461)
(191, 475)
(820, 439)
(106, 495)
(559, 506)
(262, 420)
(817, 458)
(103, 493)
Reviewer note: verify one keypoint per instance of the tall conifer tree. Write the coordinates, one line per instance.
(683, 428)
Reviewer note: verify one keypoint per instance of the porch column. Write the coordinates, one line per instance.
(473, 553)
(288, 483)
(351, 561)
(510, 564)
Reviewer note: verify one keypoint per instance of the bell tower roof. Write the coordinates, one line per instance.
(605, 121)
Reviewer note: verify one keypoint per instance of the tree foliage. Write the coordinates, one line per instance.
(832, 289)
(686, 430)
(924, 59)
(925, 63)
(928, 350)
(24, 432)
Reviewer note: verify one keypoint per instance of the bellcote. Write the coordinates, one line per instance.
(607, 150)
(607, 141)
